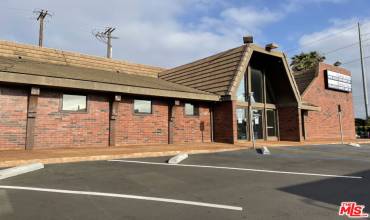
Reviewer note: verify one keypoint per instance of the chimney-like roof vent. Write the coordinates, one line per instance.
(248, 39)
(271, 46)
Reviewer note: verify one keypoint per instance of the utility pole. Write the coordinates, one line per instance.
(41, 16)
(106, 37)
(108, 32)
(364, 82)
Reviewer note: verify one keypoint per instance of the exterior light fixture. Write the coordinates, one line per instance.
(338, 63)
(271, 46)
(248, 39)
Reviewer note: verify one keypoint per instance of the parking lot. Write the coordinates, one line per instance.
(306, 182)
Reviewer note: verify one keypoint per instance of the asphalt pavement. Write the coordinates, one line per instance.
(305, 182)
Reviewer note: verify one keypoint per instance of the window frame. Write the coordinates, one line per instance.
(142, 113)
(74, 111)
(196, 109)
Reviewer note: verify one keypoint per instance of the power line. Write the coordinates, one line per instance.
(328, 36)
(322, 38)
(355, 60)
(344, 47)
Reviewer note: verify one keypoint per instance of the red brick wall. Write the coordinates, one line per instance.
(134, 128)
(225, 122)
(152, 128)
(56, 128)
(13, 117)
(192, 129)
(289, 123)
(325, 124)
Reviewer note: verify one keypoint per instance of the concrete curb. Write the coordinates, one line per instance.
(14, 171)
(178, 158)
(112, 156)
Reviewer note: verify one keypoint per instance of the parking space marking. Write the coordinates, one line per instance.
(241, 169)
(116, 195)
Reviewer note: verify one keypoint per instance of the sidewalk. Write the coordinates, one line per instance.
(10, 158)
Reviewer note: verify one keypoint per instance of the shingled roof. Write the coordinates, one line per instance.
(30, 52)
(220, 73)
(212, 74)
(304, 78)
(25, 71)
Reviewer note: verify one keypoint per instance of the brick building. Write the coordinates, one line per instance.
(52, 98)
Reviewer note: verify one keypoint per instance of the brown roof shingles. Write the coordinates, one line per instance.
(304, 78)
(212, 74)
(42, 54)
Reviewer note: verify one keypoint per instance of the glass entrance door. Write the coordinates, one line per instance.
(258, 123)
(271, 124)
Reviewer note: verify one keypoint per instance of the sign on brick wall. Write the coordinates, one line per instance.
(338, 81)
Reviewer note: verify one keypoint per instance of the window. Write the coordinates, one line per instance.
(257, 85)
(269, 96)
(241, 121)
(143, 106)
(240, 93)
(258, 123)
(75, 103)
(191, 109)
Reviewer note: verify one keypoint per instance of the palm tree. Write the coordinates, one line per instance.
(306, 61)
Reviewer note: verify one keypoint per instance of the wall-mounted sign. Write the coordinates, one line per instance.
(338, 81)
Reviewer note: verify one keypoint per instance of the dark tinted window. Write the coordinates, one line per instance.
(271, 122)
(257, 85)
(241, 121)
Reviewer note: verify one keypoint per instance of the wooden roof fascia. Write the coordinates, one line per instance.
(49, 81)
(291, 78)
(243, 64)
(309, 107)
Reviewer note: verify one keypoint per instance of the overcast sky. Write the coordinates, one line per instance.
(172, 32)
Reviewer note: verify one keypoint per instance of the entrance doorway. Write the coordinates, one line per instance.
(258, 123)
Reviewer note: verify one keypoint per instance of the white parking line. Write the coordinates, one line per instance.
(241, 169)
(116, 195)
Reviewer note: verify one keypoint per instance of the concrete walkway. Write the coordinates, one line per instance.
(10, 158)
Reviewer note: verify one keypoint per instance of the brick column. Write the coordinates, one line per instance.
(31, 117)
(224, 122)
(290, 124)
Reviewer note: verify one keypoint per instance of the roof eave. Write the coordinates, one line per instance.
(309, 107)
(18, 78)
